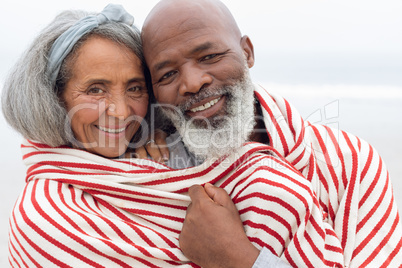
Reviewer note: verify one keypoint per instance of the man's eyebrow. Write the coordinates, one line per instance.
(162, 65)
(202, 47)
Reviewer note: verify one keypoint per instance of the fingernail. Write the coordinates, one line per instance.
(208, 184)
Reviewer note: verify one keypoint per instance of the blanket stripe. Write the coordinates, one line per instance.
(316, 197)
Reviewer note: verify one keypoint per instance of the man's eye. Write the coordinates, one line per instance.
(209, 57)
(167, 75)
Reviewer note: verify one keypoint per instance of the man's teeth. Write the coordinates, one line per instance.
(112, 130)
(205, 106)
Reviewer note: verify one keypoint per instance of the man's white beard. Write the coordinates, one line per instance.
(222, 134)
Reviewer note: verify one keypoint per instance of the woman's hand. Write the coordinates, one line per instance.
(155, 147)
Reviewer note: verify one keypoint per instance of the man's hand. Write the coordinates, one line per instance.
(213, 234)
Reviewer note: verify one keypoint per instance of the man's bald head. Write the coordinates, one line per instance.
(188, 14)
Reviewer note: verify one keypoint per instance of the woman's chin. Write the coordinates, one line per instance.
(109, 152)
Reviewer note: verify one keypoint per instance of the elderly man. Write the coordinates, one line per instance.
(199, 64)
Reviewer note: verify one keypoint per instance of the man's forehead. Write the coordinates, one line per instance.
(167, 57)
(192, 33)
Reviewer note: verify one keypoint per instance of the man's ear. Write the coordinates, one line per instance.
(248, 50)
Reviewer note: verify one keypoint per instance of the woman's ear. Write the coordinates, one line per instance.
(248, 50)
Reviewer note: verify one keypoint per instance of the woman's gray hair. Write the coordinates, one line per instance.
(31, 105)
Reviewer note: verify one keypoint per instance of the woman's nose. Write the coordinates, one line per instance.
(119, 108)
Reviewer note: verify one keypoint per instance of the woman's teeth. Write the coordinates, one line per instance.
(112, 130)
(205, 106)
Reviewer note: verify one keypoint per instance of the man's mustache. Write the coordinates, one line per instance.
(205, 92)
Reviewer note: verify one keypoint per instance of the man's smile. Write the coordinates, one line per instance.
(207, 107)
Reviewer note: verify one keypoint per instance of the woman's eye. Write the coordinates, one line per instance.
(95, 90)
(135, 89)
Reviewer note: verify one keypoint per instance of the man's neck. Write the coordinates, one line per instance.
(259, 133)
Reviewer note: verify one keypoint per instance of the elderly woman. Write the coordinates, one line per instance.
(79, 96)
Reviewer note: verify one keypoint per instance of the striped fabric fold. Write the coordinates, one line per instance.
(316, 197)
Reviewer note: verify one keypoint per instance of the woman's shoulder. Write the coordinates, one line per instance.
(42, 202)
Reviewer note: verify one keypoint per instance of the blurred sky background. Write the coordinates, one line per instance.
(339, 62)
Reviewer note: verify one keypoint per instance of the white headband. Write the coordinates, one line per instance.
(66, 41)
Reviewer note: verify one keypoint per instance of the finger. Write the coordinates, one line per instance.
(188, 212)
(154, 152)
(130, 154)
(163, 148)
(141, 152)
(219, 196)
(160, 140)
(197, 193)
(189, 206)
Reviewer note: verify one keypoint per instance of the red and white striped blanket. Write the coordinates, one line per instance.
(316, 197)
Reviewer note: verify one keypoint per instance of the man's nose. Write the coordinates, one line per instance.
(119, 108)
(193, 79)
